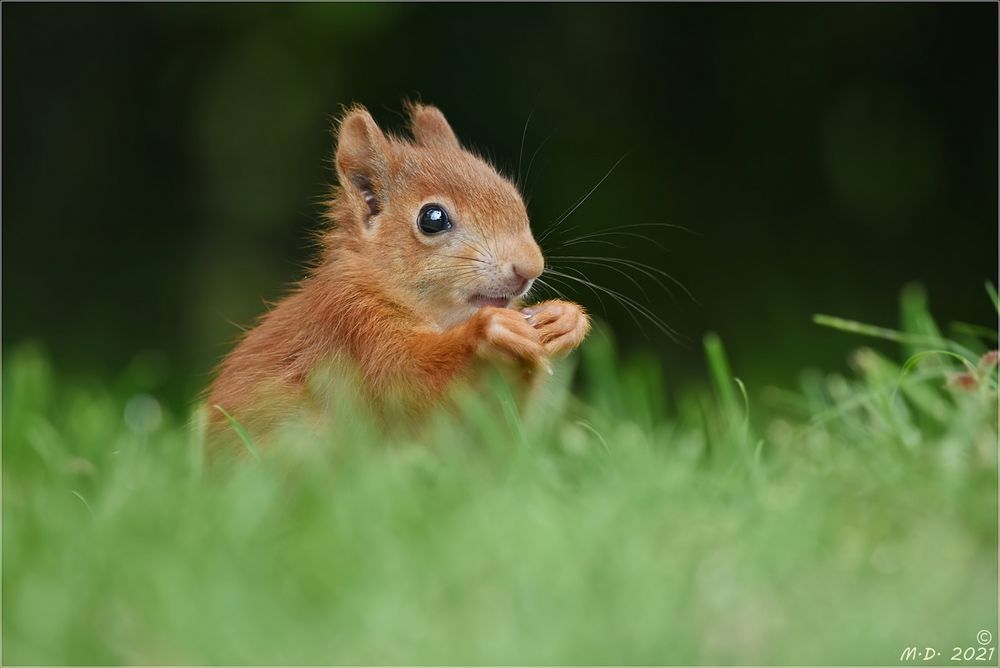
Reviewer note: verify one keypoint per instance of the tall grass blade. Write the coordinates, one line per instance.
(915, 318)
(855, 327)
(735, 420)
(240, 431)
(977, 331)
(722, 377)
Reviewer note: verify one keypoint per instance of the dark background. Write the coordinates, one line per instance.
(163, 163)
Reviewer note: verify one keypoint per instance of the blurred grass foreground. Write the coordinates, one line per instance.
(840, 523)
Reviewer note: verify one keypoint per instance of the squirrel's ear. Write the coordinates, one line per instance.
(430, 127)
(362, 158)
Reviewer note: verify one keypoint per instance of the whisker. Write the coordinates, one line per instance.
(460, 271)
(634, 281)
(604, 262)
(471, 270)
(617, 232)
(583, 199)
(463, 257)
(627, 301)
(604, 307)
(597, 294)
(544, 284)
(531, 162)
(520, 153)
(456, 257)
(574, 242)
(478, 248)
(590, 238)
(638, 266)
(567, 231)
(669, 226)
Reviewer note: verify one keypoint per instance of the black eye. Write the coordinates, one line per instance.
(433, 219)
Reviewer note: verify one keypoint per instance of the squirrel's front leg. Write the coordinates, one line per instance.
(561, 325)
(498, 336)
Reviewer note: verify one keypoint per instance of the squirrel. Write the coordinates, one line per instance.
(424, 265)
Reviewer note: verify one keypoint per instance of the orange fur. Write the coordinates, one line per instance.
(394, 304)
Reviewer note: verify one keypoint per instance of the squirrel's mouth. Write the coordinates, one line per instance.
(480, 301)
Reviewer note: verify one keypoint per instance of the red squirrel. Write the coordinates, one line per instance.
(424, 265)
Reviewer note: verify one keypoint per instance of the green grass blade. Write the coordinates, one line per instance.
(910, 363)
(240, 431)
(746, 404)
(915, 317)
(722, 377)
(977, 331)
(855, 327)
(83, 500)
(992, 292)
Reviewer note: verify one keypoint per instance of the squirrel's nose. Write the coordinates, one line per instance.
(523, 275)
(526, 272)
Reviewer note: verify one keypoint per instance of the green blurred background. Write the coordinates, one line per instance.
(163, 164)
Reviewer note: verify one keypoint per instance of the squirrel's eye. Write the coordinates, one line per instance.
(433, 219)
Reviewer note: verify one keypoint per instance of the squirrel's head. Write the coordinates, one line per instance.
(435, 223)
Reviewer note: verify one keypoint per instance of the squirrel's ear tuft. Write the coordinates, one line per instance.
(362, 158)
(430, 127)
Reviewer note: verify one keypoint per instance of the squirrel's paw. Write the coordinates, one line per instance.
(561, 325)
(506, 336)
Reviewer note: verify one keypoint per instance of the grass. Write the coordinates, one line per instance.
(836, 524)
